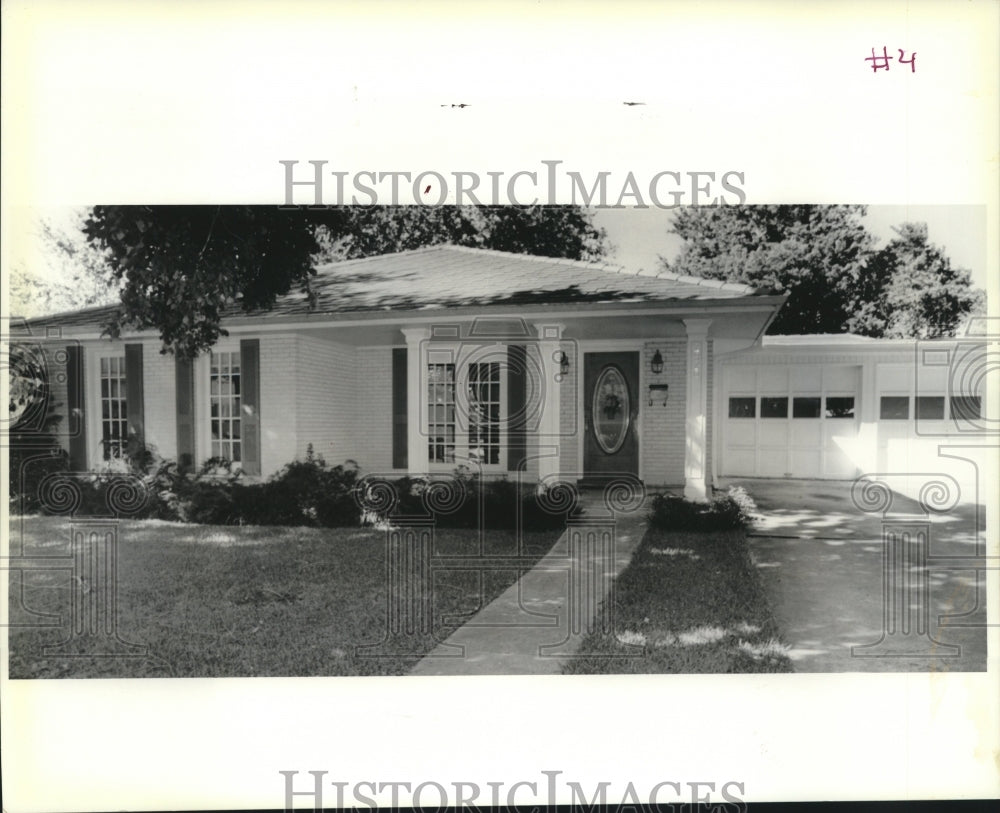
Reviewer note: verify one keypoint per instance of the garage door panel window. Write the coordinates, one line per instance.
(894, 408)
(930, 407)
(773, 407)
(839, 406)
(742, 407)
(805, 407)
(966, 407)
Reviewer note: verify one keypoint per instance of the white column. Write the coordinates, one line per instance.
(549, 441)
(416, 386)
(697, 417)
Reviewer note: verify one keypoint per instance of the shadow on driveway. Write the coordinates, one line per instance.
(821, 561)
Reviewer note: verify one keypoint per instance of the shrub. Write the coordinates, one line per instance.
(35, 450)
(304, 492)
(468, 501)
(669, 512)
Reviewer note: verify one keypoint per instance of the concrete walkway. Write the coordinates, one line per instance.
(821, 560)
(533, 627)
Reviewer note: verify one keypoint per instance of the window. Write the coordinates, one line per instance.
(742, 407)
(114, 412)
(840, 406)
(441, 413)
(774, 407)
(484, 412)
(894, 408)
(224, 399)
(805, 407)
(930, 407)
(966, 407)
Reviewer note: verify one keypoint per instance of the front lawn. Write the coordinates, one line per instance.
(225, 601)
(689, 602)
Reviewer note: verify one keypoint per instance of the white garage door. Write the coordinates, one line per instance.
(790, 421)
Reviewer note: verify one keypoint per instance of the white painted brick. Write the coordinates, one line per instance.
(663, 427)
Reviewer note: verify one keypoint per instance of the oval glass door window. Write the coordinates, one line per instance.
(611, 410)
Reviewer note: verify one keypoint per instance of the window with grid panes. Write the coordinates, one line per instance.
(484, 412)
(441, 413)
(224, 404)
(114, 410)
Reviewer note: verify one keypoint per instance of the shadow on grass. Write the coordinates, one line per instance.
(689, 602)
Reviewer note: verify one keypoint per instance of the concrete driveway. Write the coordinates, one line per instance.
(822, 562)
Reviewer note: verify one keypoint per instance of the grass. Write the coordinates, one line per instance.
(689, 602)
(223, 601)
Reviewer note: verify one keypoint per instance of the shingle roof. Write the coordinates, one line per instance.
(449, 276)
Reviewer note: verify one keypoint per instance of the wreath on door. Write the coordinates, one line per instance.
(612, 406)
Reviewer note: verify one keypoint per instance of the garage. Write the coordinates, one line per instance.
(790, 420)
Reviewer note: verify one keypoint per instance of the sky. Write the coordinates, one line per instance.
(641, 235)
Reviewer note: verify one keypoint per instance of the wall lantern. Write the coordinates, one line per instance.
(563, 363)
(656, 363)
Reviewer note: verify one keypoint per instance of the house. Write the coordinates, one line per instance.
(425, 360)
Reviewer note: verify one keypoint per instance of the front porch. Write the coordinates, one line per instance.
(582, 399)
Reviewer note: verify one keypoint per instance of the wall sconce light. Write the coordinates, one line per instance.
(563, 363)
(656, 363)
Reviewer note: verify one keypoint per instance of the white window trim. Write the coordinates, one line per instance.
(92, 399)
(203, 404)
(462, 355)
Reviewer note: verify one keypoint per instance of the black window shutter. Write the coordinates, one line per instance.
(400, 430)
(76, 413)
(517, 390)
(134, 406)
(250, 403)
(184, 388)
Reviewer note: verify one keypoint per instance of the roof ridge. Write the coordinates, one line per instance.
(370, 257)
(590, 265)
(69, 312)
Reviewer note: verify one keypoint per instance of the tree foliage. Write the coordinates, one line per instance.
(181, 267)
(909, 290)
(75, 275)
(813, 253)
(824, 258)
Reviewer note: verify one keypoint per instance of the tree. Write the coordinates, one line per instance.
(814, 253)
(70, 273)
(825, 260)
(181, 267)
(910, 290)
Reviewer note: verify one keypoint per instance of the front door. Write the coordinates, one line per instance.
(610, 411)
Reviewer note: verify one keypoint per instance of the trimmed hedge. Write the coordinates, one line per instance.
(471, 502)
(672, 513)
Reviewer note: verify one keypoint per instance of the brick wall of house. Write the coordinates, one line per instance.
(569, 452)
(279, 402)
(663, 427)
(372, 446)
(159, 400)
(327, 402)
